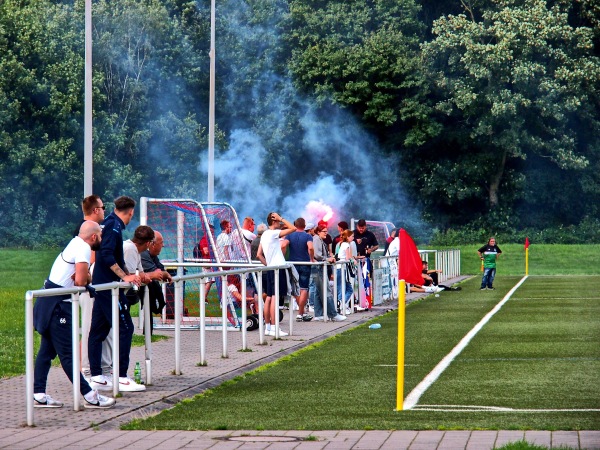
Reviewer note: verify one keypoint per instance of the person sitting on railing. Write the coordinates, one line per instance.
(52, 318)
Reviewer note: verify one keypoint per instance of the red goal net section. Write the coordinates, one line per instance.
(198, 237)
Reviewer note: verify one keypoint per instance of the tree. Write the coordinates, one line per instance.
(365, 57)
(39, 111)
(521, 81)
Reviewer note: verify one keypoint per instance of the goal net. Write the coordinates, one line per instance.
(205, 233)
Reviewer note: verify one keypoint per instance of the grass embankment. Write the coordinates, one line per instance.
(544, 259)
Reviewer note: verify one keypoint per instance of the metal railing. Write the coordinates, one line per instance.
(448, 259)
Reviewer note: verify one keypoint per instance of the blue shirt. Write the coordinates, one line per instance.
(298, 246)
(111, 250)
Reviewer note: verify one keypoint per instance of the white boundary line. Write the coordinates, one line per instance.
(475, 408)
(413, 398)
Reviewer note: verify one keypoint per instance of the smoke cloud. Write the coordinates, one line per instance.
(286, 152)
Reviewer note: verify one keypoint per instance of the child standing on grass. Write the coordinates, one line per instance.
(489, 254)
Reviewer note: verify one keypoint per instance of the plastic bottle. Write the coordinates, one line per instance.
(137, 373)
(375, 326)
(135, 286)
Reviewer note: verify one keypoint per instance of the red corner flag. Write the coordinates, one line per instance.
(526, 243)
(409, 260)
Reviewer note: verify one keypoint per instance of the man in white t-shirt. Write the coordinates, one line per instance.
(143, 236)
(52, 318)
(224, 241)
(270, 254)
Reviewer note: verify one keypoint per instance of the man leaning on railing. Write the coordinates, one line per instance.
(52, 318)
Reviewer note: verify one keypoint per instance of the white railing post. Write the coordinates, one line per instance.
(116, 315)
(76, 359)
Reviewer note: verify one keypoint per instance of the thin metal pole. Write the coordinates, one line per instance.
(244, 314)
(148, 335)
(276, 303)
(116, 314)
(87, 134)
(325, 292)
(76, 350)
(29, 357)
(211, 108)
(224, 306)
(203, 321)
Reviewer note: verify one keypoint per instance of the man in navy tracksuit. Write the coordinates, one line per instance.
(52, 318)
(110, 268)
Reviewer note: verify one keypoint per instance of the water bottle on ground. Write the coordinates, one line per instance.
(137, 373)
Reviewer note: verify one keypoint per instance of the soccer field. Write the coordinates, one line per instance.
(533, 365)
(539, 353)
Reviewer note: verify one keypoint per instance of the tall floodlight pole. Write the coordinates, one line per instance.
(87, 132)
(211, 108)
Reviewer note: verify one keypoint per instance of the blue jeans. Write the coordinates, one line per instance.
(102, 325)
(488, 277)
(341, 278)
(316, 276)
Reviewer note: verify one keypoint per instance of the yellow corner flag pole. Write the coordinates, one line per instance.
(527, 256)
(400, 365)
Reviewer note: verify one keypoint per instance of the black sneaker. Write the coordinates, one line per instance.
(491, 289)
(482, 289)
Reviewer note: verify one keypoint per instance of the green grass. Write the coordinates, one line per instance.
(21, 271)
(541, 351)
(544, 259)
(524, 445)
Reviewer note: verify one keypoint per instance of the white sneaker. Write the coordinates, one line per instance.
(269, 333)
(311, 309)
(98, 401)
(45, 401)
(348, 311)
(318, 319)
(101, 383)
(126, 384)
(338, 318)
(281, 333)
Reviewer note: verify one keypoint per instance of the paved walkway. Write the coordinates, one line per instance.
(68, 429)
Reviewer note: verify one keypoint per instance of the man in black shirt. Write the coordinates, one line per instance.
(366, 242)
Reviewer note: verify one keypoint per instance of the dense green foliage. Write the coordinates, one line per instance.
(439, 115)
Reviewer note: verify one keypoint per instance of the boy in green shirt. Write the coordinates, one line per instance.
(489, 254)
